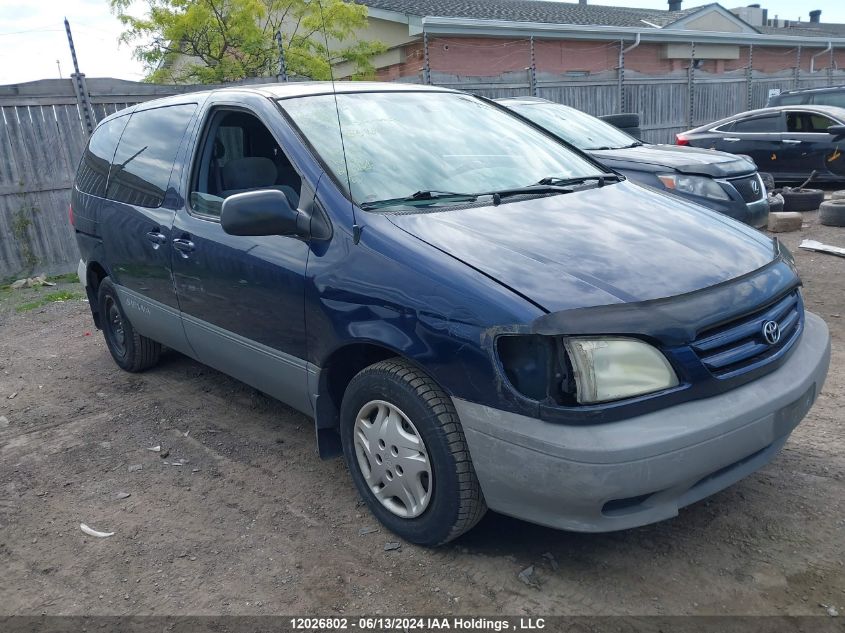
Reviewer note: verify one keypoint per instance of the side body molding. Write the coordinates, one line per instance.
(277, 374)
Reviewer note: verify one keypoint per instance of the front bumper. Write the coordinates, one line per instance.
(755, 213)
(618, 475)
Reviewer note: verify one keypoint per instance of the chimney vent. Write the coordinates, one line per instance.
(582, 1)
(674, 5)
(815, 16)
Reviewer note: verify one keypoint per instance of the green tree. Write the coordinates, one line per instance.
(215, 41)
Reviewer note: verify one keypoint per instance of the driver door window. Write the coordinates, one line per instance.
(239, 154)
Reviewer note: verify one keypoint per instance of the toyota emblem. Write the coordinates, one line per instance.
(771, 332)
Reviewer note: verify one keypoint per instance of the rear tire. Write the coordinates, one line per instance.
(832, 213)
(393, 399)
(131, 351)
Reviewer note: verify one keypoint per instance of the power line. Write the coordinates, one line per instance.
(43, 30)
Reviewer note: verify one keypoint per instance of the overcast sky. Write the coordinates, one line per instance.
(32, 34)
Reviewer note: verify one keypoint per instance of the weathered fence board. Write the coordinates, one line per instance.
(663, 102)
(42, 137)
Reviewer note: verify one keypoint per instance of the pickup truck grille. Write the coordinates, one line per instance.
(740, 346)
(745, 187)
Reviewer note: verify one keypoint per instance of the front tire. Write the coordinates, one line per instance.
(407, 454)
(130, 350)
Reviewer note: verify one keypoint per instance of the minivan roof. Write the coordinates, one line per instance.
(286, 91)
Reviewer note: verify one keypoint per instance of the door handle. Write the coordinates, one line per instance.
(790, 141)
(731, 139)
(157, 238)
(184, 245)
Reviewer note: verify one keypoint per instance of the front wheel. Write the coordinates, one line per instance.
(406, 452)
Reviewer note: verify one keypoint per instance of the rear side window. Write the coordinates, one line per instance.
(93, 172)
(144, 159)
(762, 124)
(807, 122)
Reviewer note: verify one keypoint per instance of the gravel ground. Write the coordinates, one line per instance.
(254, 523)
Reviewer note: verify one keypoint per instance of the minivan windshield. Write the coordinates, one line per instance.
(401, 143)
(579, 128)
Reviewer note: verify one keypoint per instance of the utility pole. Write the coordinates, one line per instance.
(283, 73)
(79, 86)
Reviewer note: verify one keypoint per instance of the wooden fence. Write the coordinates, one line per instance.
(667, 104)
(42, 135)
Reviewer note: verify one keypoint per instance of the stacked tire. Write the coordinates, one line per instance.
(801, 199)
(832, 212)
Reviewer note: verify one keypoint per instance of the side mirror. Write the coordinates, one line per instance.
(836, 131)
(262, 212)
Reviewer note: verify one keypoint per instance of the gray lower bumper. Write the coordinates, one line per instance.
(618, 475)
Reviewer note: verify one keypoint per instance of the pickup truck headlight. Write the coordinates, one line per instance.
(583, 370)
(614, 368)
(694, 185)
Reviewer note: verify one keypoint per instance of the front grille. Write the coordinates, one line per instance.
(740, 346)
(745, 187)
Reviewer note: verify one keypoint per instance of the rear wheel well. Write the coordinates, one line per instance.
(337, 371)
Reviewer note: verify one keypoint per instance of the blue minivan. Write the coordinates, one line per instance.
(476, 314)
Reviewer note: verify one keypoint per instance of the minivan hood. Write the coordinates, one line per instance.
(686, 160)
(617, 243)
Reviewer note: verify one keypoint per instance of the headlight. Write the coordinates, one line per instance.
(613, 368)
(694, 185)
(582, 370)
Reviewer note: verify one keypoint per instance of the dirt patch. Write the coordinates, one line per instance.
(254, 523)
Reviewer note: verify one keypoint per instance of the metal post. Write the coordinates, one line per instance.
(621, 72)
(691, 86)
(620, 76)
(80, 87)
(749, 78)
(426, 66)
(798, 68)
(283, 72)
(532, 71)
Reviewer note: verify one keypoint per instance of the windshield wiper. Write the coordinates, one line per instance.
(420, 196)
(565, 182)
(548, 185)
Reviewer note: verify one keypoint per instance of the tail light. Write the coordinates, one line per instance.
(70, 215)
(680, 139)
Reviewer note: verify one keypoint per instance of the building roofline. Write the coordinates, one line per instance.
(434, 25)
(718, 8)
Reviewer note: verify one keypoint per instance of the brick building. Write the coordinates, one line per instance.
(492, 37)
